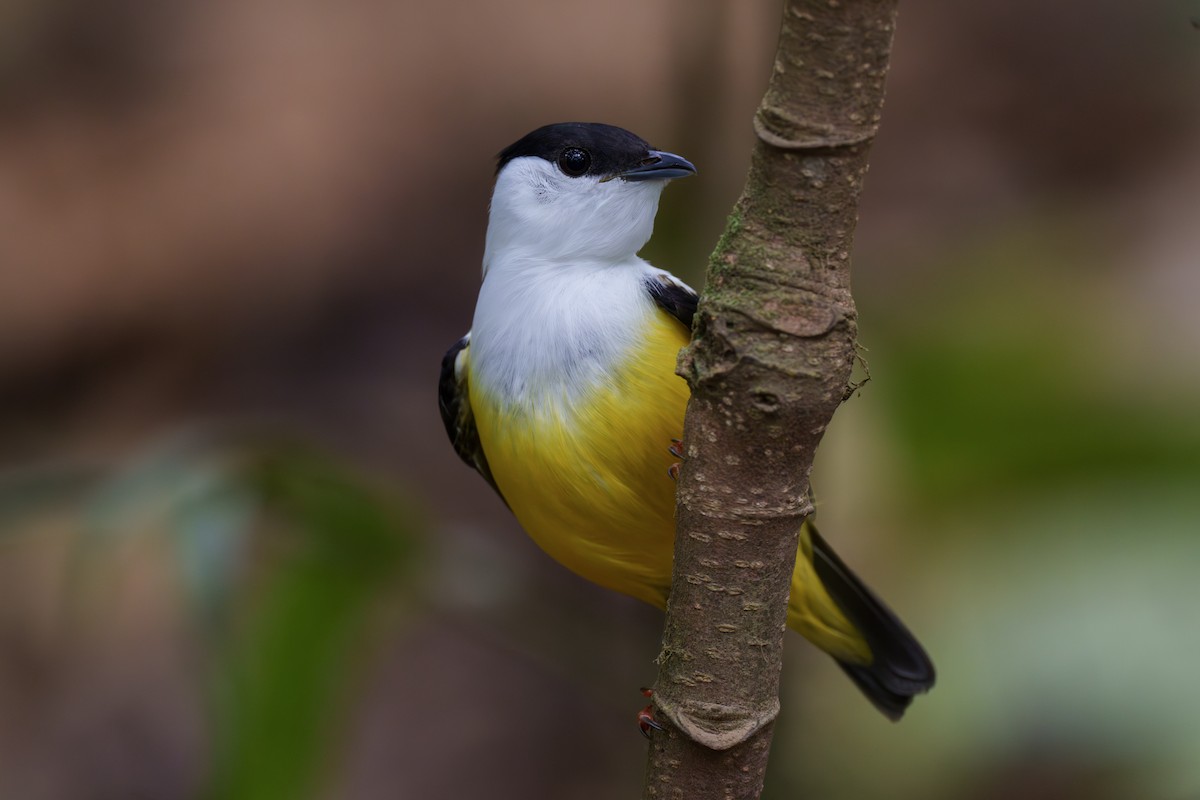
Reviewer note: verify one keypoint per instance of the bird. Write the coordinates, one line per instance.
(563, 394)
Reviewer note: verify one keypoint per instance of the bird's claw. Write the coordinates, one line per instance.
(676, 449)
(646, 721)
(645, 717)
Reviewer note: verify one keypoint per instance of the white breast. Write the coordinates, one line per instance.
(545, 335)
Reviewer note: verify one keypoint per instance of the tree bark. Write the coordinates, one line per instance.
(769, 363)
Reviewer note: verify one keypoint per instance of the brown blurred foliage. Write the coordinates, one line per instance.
(269, 216)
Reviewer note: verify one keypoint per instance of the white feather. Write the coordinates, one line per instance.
(563, 301)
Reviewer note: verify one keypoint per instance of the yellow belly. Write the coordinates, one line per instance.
(589, 483)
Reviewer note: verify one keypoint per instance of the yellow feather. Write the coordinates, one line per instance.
(590, 486)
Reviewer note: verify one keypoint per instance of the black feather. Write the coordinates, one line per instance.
(449, 399)
(900, 667)
(676, 299)
(613, 150)
(454, 403)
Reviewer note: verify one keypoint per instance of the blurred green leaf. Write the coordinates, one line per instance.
(285, 554)
(980, 419)
(286, 669)
(1000, 392)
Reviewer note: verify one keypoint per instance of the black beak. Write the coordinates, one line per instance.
(659, 166)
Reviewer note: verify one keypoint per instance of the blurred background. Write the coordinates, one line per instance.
(238, 558)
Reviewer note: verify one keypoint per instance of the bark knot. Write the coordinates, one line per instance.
(718, 726)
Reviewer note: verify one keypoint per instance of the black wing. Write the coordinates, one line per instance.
(454, 401)
(676, 298)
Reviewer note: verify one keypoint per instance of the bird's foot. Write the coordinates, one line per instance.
(645, 717)
(676, 449)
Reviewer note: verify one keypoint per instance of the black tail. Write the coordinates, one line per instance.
(900, 668)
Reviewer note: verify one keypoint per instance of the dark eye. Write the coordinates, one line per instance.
(574, 161)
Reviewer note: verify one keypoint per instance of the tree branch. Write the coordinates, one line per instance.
(769, 363)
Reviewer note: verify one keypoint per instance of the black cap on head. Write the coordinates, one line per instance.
(611, 150)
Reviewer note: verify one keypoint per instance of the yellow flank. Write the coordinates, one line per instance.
(590, 484)
(813, 614)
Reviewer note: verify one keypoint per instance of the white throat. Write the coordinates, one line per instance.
(563, 302)
(539, 213)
